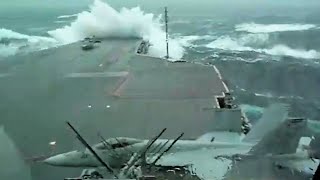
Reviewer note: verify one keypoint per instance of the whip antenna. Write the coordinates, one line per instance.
(167, 35)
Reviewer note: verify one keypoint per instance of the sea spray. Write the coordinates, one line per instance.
(104, 21)
(270, 28)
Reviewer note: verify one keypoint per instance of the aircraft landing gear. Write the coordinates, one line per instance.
(91, 175)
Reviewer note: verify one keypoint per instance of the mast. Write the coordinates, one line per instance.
(167, 35)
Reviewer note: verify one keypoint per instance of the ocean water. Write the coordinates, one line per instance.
(267, 53)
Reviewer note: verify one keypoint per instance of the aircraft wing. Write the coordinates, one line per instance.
(217, 136)
(305, 166)
(205, 164)
(200, 162)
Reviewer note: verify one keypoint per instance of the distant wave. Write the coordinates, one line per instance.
(104, 21)
(283, 50)
(269, 28)
(61, 22)
(267, 95)
(179, 22)
(13, 42)
(67, 16)
(186, 41)
(244, 43)
(37, 29)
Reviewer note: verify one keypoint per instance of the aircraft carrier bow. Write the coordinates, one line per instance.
(114, 88)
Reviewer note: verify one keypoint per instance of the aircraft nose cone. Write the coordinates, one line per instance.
(54, 160)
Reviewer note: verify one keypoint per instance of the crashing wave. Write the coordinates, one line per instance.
(269, 28)
(104, 21)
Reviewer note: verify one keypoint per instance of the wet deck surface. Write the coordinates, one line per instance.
(108, 89)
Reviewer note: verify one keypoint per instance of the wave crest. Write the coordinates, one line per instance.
(270, 28)
(244, 43)
(104, 21)
(187, 41)
(13, 42)
(283, 50)
(67, 16)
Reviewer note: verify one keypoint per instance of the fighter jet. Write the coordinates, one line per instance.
(276, 160)
(131, 169)
(219, 156)
(300, 164)
(117, 151)
(277, 151)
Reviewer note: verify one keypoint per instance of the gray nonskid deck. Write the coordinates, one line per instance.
(110, 89)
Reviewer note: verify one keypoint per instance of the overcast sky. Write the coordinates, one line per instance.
(154, 3)
(246, 2)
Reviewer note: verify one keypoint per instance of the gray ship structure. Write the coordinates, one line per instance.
(114, 88)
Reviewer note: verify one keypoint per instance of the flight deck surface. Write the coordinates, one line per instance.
(110, 89)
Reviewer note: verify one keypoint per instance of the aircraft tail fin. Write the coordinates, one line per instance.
(314, 146)
(282, 140)
(272, 117)
(316, 175)
(304, 144)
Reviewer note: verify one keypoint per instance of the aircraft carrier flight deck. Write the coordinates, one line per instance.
(111, 89)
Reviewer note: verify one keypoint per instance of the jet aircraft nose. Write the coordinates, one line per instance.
(69, 159)
(73, 159)
(58, 160)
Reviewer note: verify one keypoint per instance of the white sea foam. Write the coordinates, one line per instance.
(269, 28)
(281, 50)
(61, 22)
(186, 41)
(101, 21)
(12, 42)
(245, 42)
(104, 21)
(268, 95)
(8, 50)
(67, 16)
(179, 22)
(228, 43)
(7, 33)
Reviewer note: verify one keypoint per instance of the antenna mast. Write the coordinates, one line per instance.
(167, 35)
